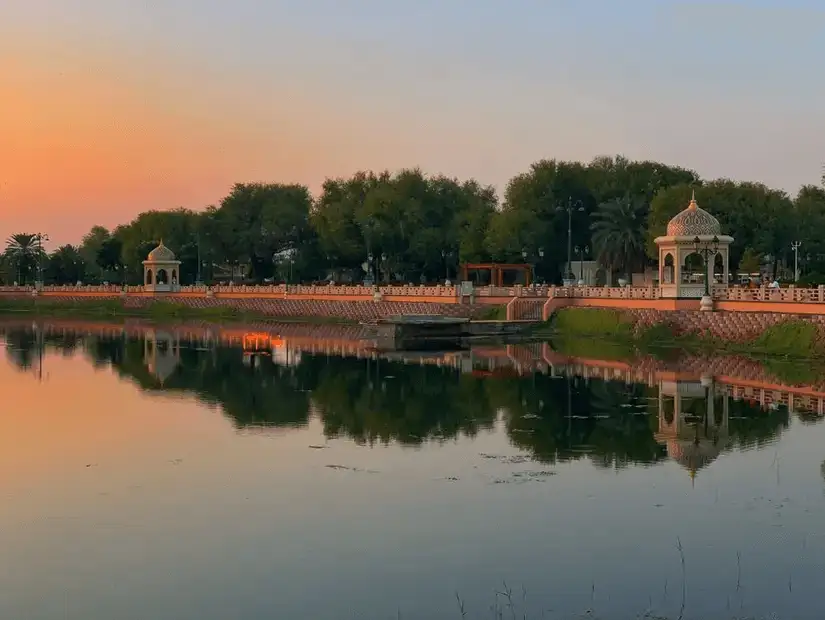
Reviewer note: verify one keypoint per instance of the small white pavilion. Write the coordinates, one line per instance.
(693, 255)
(161, 271)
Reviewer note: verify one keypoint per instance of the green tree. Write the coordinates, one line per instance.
(89, 249)
(65, 266)
(257, 221)
(533, 213)
(413, 225)
(109, 259)
(619, 234)
(24, 250)
(751, 261)
(341, 236)
(809, 229)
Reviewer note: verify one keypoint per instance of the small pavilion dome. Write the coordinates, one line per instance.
(161, 254)
(693, 455)
(693, 221)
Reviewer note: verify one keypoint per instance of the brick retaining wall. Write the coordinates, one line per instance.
(729, 326)
(351, 310)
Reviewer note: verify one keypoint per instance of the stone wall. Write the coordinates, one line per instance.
(350, 310)
(728, 326)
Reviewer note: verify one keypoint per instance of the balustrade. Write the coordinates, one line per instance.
(720, 293)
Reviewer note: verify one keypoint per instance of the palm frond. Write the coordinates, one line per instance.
(618, 229)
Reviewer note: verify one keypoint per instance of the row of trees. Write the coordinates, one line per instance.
(412, 227)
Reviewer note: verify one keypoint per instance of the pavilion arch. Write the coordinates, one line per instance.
(162, 277)
(148, 277)
(719, 270)
(693, 268)
(667, 269)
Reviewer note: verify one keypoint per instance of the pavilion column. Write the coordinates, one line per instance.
(725, 413)
(677, 270)
(710, 408)
(709, 266)
(661, 266)
(725, 267)
(677, 411)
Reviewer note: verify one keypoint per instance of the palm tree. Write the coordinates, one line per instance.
(23, 250)
(618, 229)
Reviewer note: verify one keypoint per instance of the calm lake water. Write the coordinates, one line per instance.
(147, 476)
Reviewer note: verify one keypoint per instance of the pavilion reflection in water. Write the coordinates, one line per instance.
(161, 354)
(694, 436)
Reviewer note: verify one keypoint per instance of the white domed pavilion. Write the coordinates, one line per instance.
(161, 270)
(693, 255)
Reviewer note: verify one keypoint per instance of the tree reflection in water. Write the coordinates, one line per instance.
(553, 419)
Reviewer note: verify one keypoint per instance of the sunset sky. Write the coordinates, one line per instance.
(110, 107)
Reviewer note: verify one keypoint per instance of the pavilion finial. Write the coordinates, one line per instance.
(692, 204)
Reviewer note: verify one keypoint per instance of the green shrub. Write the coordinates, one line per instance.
(789, 338)
(656, 334)
(493, 313)
(792, 372)
(592, 322)
(812, 279)
(592, 348)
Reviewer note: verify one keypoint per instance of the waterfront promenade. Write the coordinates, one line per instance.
(534, 303)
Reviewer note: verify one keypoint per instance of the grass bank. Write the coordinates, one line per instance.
(492, 313)
(792, 339)
(156, 311)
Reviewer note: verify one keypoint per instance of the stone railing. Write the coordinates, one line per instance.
(68, 288)
(765, 293)
(512, 291)
(720, 293)
(604, 292)
(270, 289)
(424, 291)
(16, 289)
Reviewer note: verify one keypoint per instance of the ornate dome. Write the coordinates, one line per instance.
(693, 221)
(161, 254)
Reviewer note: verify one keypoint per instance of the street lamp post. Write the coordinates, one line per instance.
(538, 257)
(571, 205)
(541, 259)
(706, 250)
(446, 256)
(795, 247)
(198, 278)
(370, 279)
(581, 251)
(524, 259)
(40, 239)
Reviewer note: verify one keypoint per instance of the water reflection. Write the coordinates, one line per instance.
(557, 411)
(419, 498)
